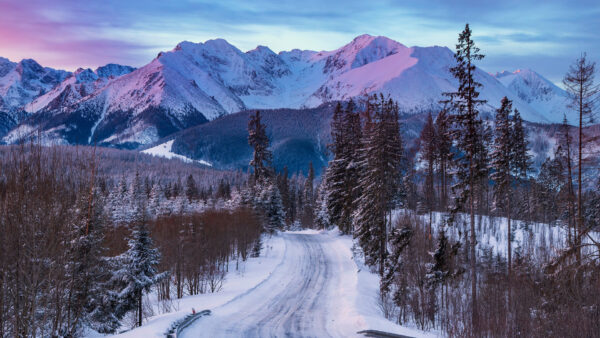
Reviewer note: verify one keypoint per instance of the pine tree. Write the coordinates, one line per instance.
(583, 93)
(466, 133)
(87, 270)
(137, 272)
(191, 190)
(429, 149)
(444, 155)
(284, 189)
(321, 212)
(262, 158)
(309, 199)
(564, 152)
(273, 208)
(503, 163)
(379, 182)
(342, 173)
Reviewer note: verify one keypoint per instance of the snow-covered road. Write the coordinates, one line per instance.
(303, 297)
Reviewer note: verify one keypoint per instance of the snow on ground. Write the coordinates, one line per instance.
(362, 287)
(491, 232)
(237, 283)
(318, 291)
(164, 150)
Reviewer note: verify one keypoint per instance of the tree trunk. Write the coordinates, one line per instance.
(509, 266)
(579, 207)
(140, 308)
(474, 318)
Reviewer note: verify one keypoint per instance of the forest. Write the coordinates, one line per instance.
(91, 235)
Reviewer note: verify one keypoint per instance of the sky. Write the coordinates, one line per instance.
(545, 36)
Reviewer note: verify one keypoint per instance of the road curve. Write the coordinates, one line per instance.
(301, 298)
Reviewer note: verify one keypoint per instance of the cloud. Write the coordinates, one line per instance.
(69, 34)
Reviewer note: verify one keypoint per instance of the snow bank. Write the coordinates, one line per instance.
(359, 292)
(236, 283)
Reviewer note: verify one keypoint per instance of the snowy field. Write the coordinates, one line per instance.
(306, 283)
(534, 239)
(165, 150)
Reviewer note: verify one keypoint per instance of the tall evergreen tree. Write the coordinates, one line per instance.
(564, 154)
(309, 199)
(321, 212)
(503, 163)
(380, 179)
(466, 132)
(429, 150)
(583, 93)
(138, 266)
(262, 158)
(191, 190)
(342, 173)
(444, 154)
(273, 208)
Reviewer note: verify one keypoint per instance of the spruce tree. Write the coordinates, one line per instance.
(137, 273)
(466, 133)
(262, 158)
(272, 206)
(583, 95)
(503, 163)
(429, 149)
(342, 172)
(88, 272)
(191, 190)
(380, 179)
(565, 156)
(309, 199)
(321, 212)
(444, 154)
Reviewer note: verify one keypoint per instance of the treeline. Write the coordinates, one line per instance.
(67, 265)
(280, 200)
(467, 165)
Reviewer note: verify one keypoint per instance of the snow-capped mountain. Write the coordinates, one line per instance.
(539, 93)
(197, 82)
(21, 82)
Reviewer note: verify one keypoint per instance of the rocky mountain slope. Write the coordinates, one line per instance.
(198, 82)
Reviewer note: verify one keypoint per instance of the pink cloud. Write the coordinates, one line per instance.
(54, 38)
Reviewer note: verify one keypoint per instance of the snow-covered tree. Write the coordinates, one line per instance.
(272, 206)
(138, 266)
(321, 211)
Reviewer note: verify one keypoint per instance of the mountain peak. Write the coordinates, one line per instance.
(360, 51)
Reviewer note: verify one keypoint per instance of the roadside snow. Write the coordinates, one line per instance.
(359, 292)
(252, 273)
(164, 150)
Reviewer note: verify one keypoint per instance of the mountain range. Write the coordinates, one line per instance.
(195, 83)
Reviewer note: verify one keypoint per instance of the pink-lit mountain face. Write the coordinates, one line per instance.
(197, 82)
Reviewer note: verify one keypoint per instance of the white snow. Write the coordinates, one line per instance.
(253, 272)
(318, 290)
(313, 278)
(164, 150)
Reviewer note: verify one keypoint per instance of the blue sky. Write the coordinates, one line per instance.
(543, 35)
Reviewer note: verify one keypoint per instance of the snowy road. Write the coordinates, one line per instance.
(305, 296)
